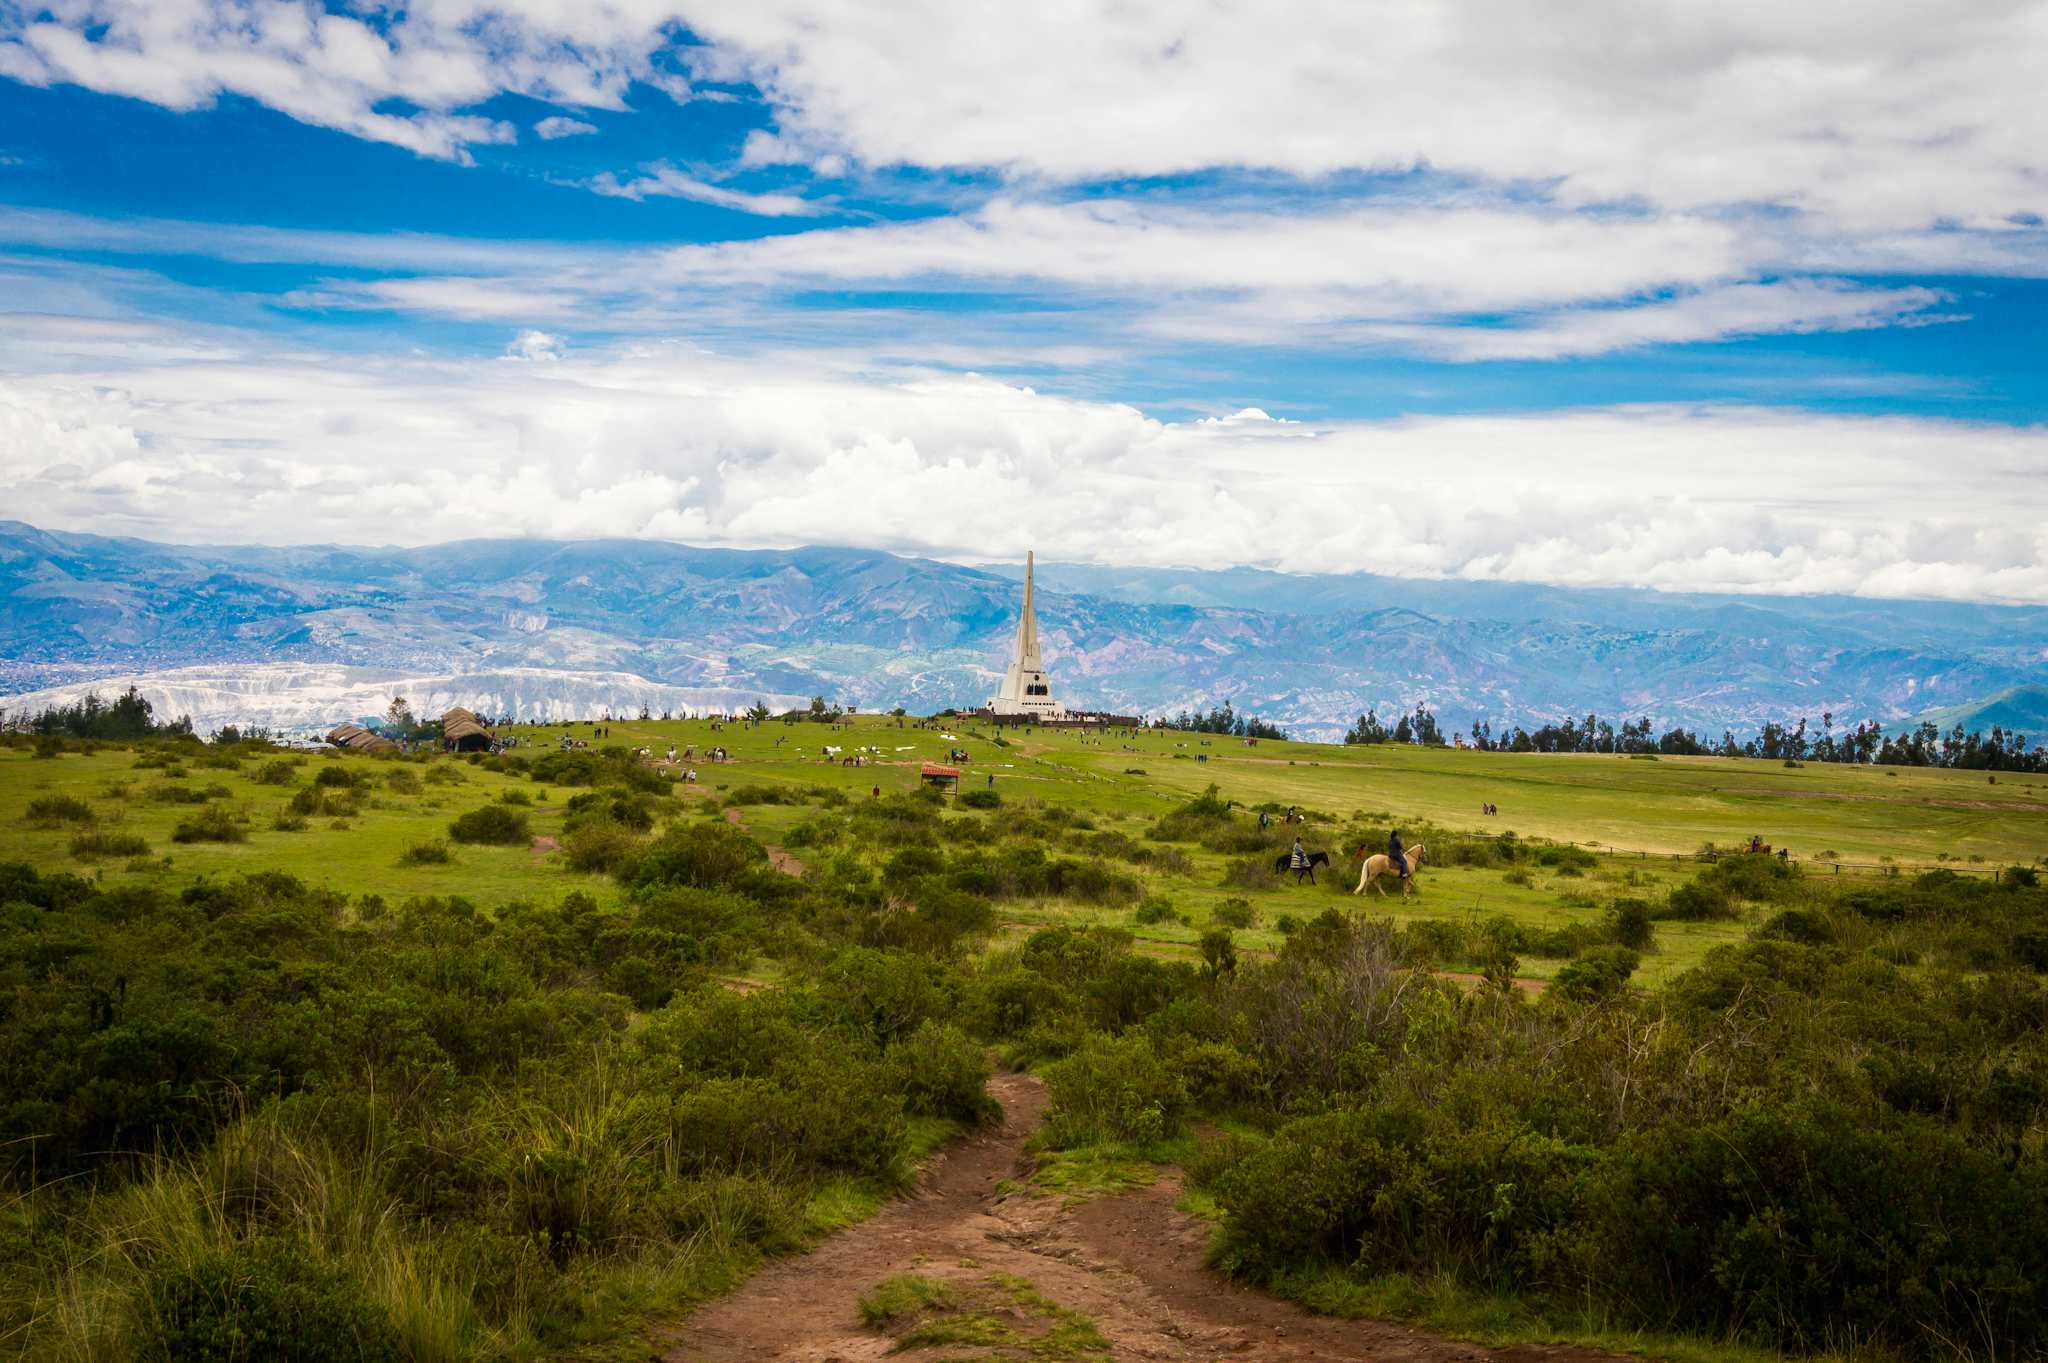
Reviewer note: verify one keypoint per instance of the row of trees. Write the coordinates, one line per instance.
(127, 716)
(1221, 719)
(1924, 746)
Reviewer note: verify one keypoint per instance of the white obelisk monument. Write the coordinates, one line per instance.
(1027, 691)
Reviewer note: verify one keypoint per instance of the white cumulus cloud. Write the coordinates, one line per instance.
(556, 127)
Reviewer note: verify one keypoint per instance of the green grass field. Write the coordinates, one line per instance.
(1645, 819)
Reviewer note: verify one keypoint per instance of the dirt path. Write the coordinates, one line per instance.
(779, 859)
(1132, 1263)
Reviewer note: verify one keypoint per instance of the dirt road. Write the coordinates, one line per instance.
(1130, 1263)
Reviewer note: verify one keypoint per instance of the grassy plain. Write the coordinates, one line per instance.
(1598, 832)
(1644, 820)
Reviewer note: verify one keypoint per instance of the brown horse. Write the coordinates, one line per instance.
(1380, 864)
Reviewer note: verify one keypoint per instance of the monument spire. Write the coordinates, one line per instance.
(1026, 690)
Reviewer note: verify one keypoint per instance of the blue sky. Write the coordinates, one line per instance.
(777, 273)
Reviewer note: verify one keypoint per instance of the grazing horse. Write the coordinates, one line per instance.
(1380, 864)
(1307, 868)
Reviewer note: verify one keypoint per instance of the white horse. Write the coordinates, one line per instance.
(1380, 864)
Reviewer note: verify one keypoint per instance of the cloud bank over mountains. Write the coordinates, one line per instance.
(668, 442)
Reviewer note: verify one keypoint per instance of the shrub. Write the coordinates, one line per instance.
(1600, 973)
(1194, 820)
(1629, 924)
(707, 856)
(1113, 1089)
(316, 802)
(212, 824)
(1566, 858)
(256, 1301)
(1697, 900)
(88, 845)
(280, 772)
(599, 845)
(1219, 953)
(431, 853)
(941, 1072)
(515, 796)
(496, 825)
(47, 747)
(1799, 1223)
(1156, 909)
(1250, 873)
(288, 822)
(56, 809)
(1234, 913)
(982, 798)
(626, 808)
(334, 776)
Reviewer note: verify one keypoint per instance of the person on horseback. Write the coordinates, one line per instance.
(1297, 860)
(1395, 854)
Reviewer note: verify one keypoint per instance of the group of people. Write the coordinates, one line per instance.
(1298, 855)
(1489, 809)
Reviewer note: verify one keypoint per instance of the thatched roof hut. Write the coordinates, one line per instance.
(358, 739)
(463, 731)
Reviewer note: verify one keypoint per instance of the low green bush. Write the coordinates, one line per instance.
(1156, 909)
(1600, 973)
(1113, 1089)
(212, 824)
(982, 798)
(431, 853)
(495, 825)
(941, 1072)
(282, 771)
(1234, 913)
(599, 845)
(264, 1300)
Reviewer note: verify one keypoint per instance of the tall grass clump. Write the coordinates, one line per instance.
(96, 843)
(47, 811)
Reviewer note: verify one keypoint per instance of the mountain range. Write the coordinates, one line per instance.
(542, 628)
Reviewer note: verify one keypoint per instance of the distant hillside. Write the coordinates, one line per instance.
(2021, 709)
(317, 696)
(876, 630)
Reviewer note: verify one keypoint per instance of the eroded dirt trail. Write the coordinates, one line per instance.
(1131, 1262)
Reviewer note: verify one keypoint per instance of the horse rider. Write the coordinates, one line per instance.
(1297, 860)
(1395, 855)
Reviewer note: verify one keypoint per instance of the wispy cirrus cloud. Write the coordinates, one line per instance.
(666, 182)
(1407, 278)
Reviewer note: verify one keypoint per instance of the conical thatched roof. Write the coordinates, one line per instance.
(356, 737)
(460, 729)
